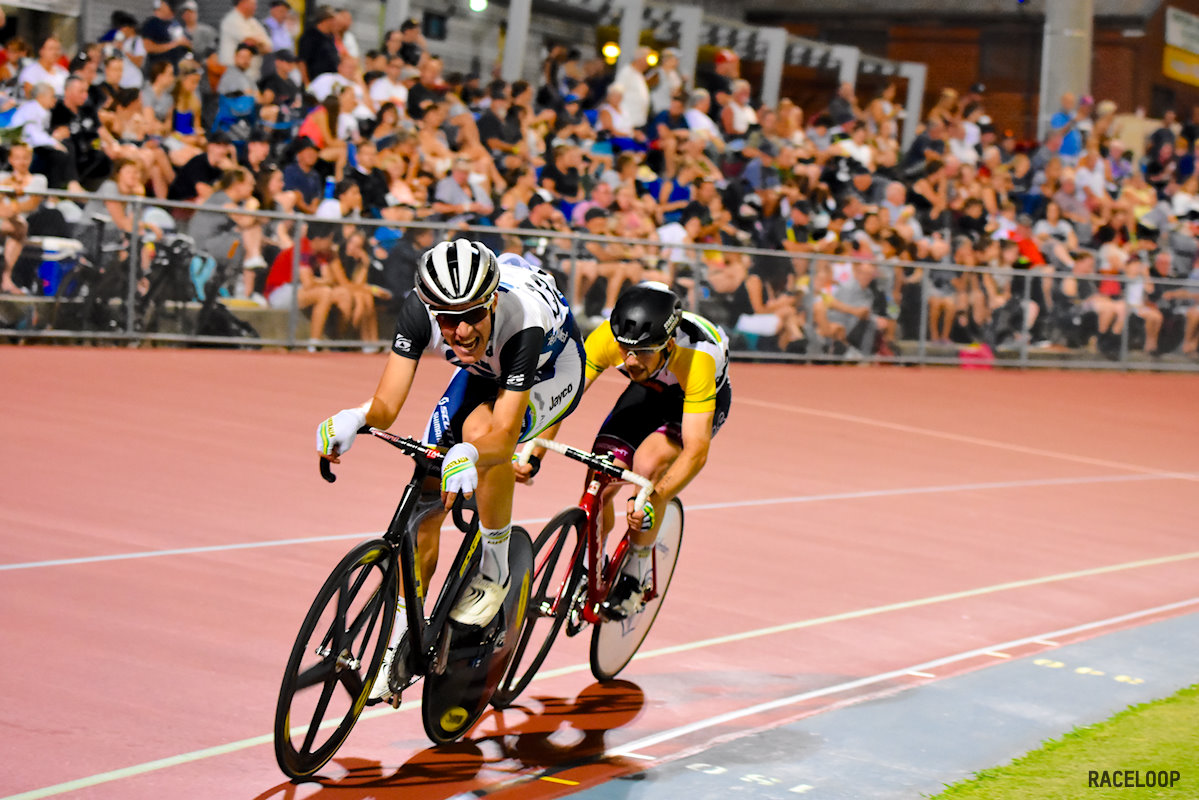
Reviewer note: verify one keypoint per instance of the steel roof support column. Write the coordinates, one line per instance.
(516, 39)
(914, 107)
(775, 40)
(848, 57)
(630, 30)
(689, 18)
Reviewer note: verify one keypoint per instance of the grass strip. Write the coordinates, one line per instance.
(1146, 751)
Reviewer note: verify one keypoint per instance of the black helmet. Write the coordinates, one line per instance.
(646, 315)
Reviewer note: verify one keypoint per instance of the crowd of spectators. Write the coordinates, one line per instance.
(269, 114)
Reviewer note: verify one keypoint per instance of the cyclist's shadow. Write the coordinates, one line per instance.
(537, 734)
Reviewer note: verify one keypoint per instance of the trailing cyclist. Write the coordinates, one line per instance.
(662, 425)
(505, 326)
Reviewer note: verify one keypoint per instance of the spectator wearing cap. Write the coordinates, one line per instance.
(726, 68)
(203, 37)
(281, 25)
(194, 181)
(239, 26)
(412, 43)
(45, 69)
(163, 36)
(280, 88)
(570, 122)
(122, 40)
(316, 48)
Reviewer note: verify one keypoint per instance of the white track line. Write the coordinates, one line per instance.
(814, 498)
(232, 747)
(957, 437)
(683, 730)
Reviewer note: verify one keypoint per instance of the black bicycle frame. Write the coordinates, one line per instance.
(402, 536)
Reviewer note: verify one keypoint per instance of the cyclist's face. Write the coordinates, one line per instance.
(467, 333)
(642, 363)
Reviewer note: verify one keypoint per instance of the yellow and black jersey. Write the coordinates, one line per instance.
(698, 364)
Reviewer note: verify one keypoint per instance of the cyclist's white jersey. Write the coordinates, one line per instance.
(532, 325)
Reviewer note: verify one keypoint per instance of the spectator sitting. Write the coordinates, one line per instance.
(616, 124)
(301, 176)
(123, 42)
(163, 36)
(203, 37)
(390, 87)
(75, 123)
(234, 240)
(317, 288)
(602, 260)
(194, 181)
(319, 128)
(429, 89)
(456, 200)
(45, 69)
(345, 204)
(700, 124)
(238, 27)
(15, 209)
(766, 304)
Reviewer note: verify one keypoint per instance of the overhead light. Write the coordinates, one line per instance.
(610, 51)
(478, 5)
(652, 58)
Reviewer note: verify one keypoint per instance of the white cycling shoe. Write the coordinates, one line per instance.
(381, 690)
(480, 603)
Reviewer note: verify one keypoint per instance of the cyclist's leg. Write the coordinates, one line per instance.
(639, 412)
(551, 400)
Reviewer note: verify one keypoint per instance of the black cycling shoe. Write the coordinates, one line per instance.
(625, 599)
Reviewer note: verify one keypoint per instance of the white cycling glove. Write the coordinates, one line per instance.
(648, 518)
(458, 473)
(336, 434)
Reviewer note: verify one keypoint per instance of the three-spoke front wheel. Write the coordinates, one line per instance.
(555, 579)
(335, 659)
(615, 642)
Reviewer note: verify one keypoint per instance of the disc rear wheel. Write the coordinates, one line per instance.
(615, 642)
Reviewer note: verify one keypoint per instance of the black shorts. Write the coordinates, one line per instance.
(648, 408)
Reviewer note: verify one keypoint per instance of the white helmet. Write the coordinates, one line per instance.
(458, 273)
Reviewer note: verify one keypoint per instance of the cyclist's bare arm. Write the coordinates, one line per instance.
(697, 438)
(392, 391)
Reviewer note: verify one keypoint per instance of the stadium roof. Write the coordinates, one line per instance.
(782, 10)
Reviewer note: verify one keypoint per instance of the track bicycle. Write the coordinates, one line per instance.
(340, 647)
(573, 577)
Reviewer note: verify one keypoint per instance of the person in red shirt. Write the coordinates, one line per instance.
(317, 288)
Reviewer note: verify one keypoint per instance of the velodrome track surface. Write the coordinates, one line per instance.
(163, 529)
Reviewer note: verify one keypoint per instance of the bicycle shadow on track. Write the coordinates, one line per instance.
(539, 736)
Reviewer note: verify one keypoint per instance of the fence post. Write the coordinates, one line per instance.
(1127, 320)
(135, 267)
(922, 338)
(697, 272)
(572, 275)
(1026, 307)
(810, 313)
(293, 318)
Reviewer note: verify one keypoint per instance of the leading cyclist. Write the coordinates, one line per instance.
(519, 355)
(663, 423)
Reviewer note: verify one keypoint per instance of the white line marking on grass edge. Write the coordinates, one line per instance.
(232, 747)
(683, 730)
(814, 498)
